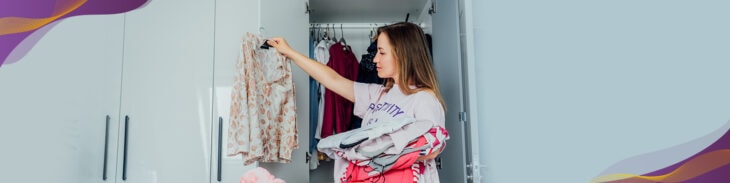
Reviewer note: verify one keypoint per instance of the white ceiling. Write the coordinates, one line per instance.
(364, 11)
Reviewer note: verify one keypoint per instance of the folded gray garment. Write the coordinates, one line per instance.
(354, 137)
(372, 150)
(371, 154)
(375, 130)
(357, 140)
(330, 144)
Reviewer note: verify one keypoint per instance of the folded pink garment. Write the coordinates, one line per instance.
(403, 170)
(259, 175)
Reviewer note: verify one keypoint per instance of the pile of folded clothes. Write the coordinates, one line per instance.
(386, 150)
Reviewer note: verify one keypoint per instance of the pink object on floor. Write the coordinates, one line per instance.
(259, 175)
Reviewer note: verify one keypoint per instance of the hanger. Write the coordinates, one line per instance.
(342, 39)
(266, 44)
(316, 32)
(334, 33)
(374, 31)
(325, 37)
(319, 32)
(371, 33)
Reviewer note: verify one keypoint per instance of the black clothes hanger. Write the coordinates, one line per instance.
(326, 35)
(266, 44)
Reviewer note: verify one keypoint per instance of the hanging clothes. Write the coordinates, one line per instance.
(313, 107)
(263, 110)
(338, 110)
(322, 55)
(367, 74)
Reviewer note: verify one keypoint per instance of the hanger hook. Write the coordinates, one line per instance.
(334, 32)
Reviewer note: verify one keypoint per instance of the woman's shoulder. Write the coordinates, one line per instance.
(368, 89)
(428, 90)
(368, 85)
(426, 93)
(427, 96)
(427, 105)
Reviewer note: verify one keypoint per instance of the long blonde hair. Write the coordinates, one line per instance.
(412, 58)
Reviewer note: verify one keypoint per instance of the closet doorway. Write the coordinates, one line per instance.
(356, 21)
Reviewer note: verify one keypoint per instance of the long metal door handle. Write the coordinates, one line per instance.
(126, 136)
(106, 147)
(220, 147)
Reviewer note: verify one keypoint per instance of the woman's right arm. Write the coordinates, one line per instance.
(320, 72)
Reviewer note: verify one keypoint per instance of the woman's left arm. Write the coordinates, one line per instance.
(432, 111)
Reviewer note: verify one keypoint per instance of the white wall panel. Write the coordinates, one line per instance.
(287, 19)
(168, 66)
(54, 101)
(233, 18)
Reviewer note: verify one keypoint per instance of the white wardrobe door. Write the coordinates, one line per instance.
(166, 92)
(54, 103)
(288, 19)
(446, 59)
(233, 18)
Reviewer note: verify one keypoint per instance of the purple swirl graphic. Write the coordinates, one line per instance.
(24, 22)
(711, 164)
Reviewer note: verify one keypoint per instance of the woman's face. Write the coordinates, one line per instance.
(385, 59)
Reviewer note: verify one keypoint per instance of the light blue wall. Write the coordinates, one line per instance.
(568, 88)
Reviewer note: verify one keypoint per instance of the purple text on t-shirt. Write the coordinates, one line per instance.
(391, 109)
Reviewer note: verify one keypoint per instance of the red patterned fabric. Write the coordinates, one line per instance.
(402, 170)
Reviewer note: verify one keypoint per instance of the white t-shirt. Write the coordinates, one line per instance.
(322, 54)
(371, 107)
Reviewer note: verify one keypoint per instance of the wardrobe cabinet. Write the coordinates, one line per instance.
(231, 23)
(166, 93)
(59, 102)
(234, 18)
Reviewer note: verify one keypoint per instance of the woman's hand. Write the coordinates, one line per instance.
(430, 156)
(281, 46)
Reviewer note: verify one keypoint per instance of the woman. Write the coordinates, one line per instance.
(410, 90)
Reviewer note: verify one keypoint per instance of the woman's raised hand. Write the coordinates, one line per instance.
(281, 46)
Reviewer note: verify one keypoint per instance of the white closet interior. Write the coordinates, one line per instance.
(355, 18)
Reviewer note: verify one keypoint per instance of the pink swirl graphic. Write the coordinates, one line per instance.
(24, 22)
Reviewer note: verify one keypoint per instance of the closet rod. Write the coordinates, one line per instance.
(348, 25)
